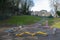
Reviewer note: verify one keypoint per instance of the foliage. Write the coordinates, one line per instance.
(26, 5)
(50, 16)
(4, 5)
(58, 12)
(8, 7)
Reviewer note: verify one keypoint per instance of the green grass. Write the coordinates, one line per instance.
(50, 21)
(21, 20)
(56, 24)
(25, 20)
(53, 22)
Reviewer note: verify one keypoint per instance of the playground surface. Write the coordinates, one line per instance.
(4, 36)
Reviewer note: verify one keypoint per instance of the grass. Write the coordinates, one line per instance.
(26, 19)
(56, 24)
(21, 20)
(50, 21)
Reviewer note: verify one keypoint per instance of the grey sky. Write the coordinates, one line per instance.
(41, 5)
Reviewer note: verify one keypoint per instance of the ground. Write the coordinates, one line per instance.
(34, 22)
(4, 36)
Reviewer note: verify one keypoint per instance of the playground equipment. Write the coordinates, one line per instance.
(32, 34)
(42, 33)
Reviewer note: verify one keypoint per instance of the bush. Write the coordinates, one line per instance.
(58, 12)
(50, 16)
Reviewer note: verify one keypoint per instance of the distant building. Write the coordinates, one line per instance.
(41, 13)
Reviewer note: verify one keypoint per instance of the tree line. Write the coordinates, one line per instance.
(11, 7)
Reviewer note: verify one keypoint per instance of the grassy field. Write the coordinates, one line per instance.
(25, 19)
(21, 20)
(56, 23)
(50, 21)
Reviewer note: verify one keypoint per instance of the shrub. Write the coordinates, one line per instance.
(50, 16)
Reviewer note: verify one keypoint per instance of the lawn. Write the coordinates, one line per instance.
(25, 19)
(56, 23)
(50, 21)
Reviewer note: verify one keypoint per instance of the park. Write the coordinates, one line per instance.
(29, 20)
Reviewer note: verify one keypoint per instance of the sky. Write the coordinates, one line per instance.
(41, 5)
(58, 1)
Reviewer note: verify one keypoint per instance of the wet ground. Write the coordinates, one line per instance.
(32, 28)
(4, 36)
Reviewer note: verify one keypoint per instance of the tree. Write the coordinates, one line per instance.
(26, 6)
(8, 7)
(16, 7)
(58, 12)
(53, 5)
(4, 5)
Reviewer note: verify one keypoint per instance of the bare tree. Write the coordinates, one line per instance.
(26, 6)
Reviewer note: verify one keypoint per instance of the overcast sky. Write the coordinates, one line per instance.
(58, 1)
(41, 5)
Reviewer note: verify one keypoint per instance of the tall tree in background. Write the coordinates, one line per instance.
(8, 7)
(4, 5)
(26, 6)
(16, 6)
(57, 12)
(54, 6)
